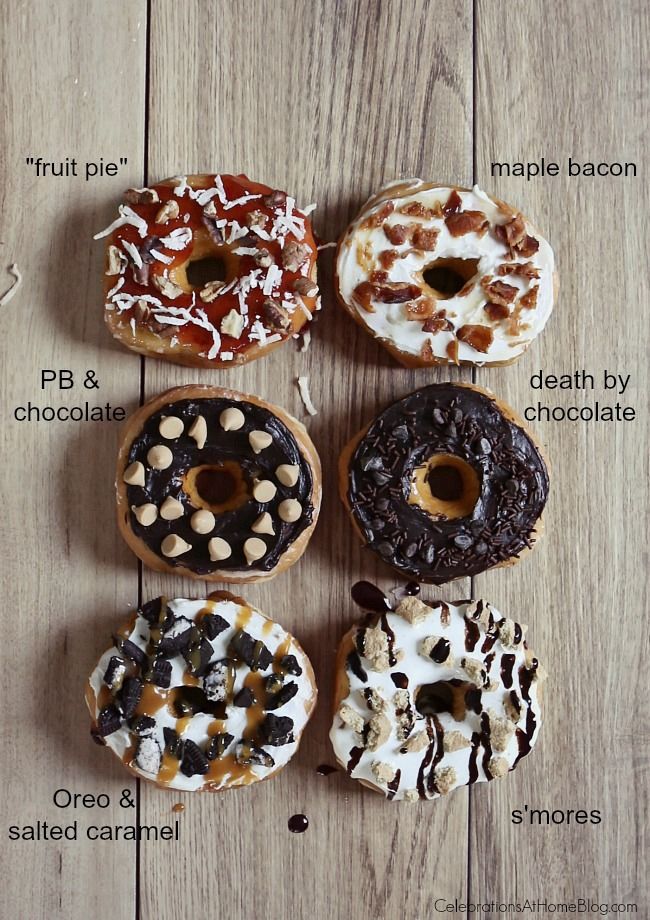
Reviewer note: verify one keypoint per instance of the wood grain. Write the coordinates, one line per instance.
(583, 590)
(64, 569)
(327, 100)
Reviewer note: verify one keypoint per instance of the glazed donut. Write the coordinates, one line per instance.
(445, 483)
(432, 697)
(442, 274)
(217, 485)
(201, 695)
(267, 255)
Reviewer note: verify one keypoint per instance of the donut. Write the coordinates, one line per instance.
(217, 485)
(201, 695)
(445, 483)
(208, 271)
(445, 275)
(430, 697)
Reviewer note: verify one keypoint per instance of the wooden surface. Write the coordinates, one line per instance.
(326, 100)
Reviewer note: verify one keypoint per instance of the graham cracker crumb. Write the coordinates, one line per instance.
(378, 732)
(413, 610)
(411, 795)
(383, 772)
(351, 718)
(507, 629)
(455, 741)
(446, 779)
(498, 767)
(375, 648)
(501, 731)
(373, 699)
(475, 671)
(416, 742)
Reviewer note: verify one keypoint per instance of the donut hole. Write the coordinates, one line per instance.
(201, 271)
(218, 487)
(443, 696)
(447, 277)
(445, 486)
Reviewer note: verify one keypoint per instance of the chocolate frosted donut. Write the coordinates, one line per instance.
(445, 483)
(201, 695)
(434, 696)
(216, 484)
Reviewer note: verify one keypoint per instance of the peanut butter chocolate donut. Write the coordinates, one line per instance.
(157, 299)
(201, 695)
(434, 696)
(445, 483)
(443, 274)
(217, 485)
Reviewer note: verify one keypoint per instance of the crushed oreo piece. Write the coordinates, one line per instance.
(247, 753)
(130, 695)
(114, 674)
(244, 698)
(197, 657)
(218, 745)
(173, 743)
(148, 756)
(212, 625)
(177, 637)
(218, 681)
(277, 730)
(131, 650)
(108, 720)
(194, 760)
(254, 653)
(286, 693)
(159, 673)
(142, 725)
(289, 664)
(273, 683)
(151, 611)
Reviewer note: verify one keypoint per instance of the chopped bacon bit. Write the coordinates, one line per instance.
(496, 311)
(397, 233)
(477, 337)
(376, 220)
(499, 291)
(425, 239)
(397, 292)
(454, 203)
(426, 352)
(529, 301)
(378, 277)
(387, 258)
(528, 247)
(452, 351)
(421, 308)
(417, 209)
(467, 222)
(438, 323)
(513, 232)
(363, 294)
(524, 269)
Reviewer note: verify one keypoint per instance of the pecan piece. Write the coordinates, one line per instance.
(255, 219)
(477, 337)
(263, 258)
(294, 255)
(276, 316)
(211, 291)
(141, 311)
(169, 211)
(398, 292)
(499, 292)
(425, 239)
(465, 222)
(496, 311)
(397, 233)
(524, 269)
(305, 286)
(141, 196)
(454, 204)
(376, 220)
(276, 199)
(529, 301)
(115, 259)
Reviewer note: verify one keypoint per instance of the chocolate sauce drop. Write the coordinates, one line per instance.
(298, 824)
(400, 680)
(324, 769)
(412, 588)
(370, 597)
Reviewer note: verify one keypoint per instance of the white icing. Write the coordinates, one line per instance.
(273, 637)
(422, 670)
(391, 322)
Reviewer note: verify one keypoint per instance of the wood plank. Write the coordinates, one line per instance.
(327, 100)
(63, 576)
(576, 88)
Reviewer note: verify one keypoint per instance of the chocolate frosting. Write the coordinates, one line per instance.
(233, 526)
(466, 423)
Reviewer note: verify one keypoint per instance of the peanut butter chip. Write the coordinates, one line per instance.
(199, 431)
(202, 521)
(413, 610)
(171, 427)
(417, 742)
(219, 549)
(446, 779)
(498, 767)
(455, 741)
(174, 545)
(169, 211)
(160, 457)
(412, 795)
(264, 490)
(501, 731)
(378, 731)
(264, 524)
(231, 419)
(258, 440)
(287, 474)
(290, 510)
(351, 718)
(254, 549)
(145, 514)
(134, 474)
(383, 772)
(171, 509)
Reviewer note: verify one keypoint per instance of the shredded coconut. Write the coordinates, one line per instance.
(127, 216)
(15, 284)
(303, 389)
(327, 246)
(134, 252)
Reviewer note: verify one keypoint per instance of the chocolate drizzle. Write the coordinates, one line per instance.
(507, 664)
(450, 419)
(221, 446)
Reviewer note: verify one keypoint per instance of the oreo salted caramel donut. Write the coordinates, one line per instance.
(201, 695)
(217, 485)
(445, 483)
(435, 696)
(443, 274)
(170, 238)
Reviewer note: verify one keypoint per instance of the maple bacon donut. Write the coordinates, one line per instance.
(217, 485)
(431, 697)
(445, 483)
(443, 274)
(157, 300)
(201, 695)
